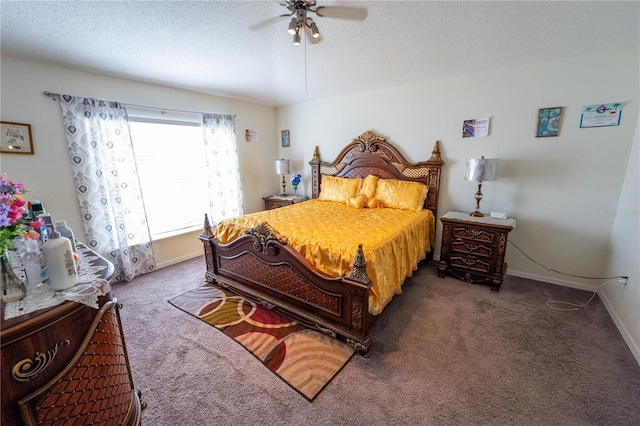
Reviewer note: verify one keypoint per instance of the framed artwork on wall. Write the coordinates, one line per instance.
(285, 138)
(475, 128)
(601, 115)
(16, 138)
(549, 122)
(252, 135)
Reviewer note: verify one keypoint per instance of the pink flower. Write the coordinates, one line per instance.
(36, 224)
(13, 214)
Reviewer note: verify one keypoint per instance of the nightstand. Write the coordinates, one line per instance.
(473, 248)
(276, 201)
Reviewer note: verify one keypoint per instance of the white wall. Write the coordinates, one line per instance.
(48, 173)
(560, 189)
(624, 301)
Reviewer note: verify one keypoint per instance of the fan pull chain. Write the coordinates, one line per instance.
(306, 90)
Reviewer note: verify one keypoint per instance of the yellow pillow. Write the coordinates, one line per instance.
(399, 194)
(368, 188)
(372, 203)
(356, 202)
(339, 189)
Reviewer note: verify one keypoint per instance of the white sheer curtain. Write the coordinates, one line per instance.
(223, 167)
(107, 184)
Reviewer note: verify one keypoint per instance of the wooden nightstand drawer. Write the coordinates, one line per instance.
(274, 204)
(471, 263)
(473, 233)
(276, 201)
(467, 247)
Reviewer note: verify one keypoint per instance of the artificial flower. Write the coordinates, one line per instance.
(14, 217)
(30, 235)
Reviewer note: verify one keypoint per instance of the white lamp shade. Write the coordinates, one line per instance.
(282, 167)
(481, 169)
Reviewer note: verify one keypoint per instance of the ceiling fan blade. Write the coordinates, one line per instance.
(267, 22)
(353, 13)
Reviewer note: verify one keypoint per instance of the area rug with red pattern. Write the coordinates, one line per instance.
(305, 359)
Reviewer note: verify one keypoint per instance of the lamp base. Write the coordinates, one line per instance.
(284, 187)
(477, 213)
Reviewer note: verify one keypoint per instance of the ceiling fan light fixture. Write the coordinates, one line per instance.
(314, 30)
(293, 26)
(299, 11)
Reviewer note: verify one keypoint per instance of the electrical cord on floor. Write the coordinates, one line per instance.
(574, 306)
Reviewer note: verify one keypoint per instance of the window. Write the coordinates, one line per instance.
(170, 156)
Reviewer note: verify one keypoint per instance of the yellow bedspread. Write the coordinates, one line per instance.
(327, 233)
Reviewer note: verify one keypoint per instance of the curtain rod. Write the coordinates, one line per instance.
(57, 95)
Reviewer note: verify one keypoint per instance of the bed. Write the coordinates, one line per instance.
(269, 258)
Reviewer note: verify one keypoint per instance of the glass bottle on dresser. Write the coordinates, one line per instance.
(35, 268)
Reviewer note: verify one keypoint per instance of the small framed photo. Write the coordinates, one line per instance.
(252, 135)
(285, 138)
(16, 138)
(549, 122)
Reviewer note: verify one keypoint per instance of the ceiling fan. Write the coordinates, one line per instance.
(299, 11)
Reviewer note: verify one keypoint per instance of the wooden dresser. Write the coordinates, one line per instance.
(473, 248)
(68, 365)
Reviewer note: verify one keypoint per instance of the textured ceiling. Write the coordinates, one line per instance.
(208, 46)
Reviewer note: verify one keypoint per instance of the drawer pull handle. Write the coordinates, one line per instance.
(469, 262)
(28, 368)
(473, 233)
(470, 247)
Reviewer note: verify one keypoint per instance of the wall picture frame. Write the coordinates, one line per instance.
(601, 115)
(16, 138)
(549, 120)
(252, 135)
(286, 141)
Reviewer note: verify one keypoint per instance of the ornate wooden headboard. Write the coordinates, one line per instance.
(371, 154)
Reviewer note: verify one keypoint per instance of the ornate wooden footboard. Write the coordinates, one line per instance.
(263, 268)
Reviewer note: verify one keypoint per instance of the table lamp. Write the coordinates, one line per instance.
(480, 170)
(282, 168)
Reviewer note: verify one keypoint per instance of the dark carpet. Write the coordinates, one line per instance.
(444, 353)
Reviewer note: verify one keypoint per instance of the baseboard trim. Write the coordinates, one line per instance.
(179, 259)
(633, 346)
(553, 280)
